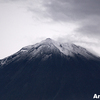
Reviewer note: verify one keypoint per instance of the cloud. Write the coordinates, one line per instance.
(84, 12)
(91, 44)
(66, 10)
(90, 27)
(63, 10)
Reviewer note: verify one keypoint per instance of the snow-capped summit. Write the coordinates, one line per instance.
(48, 40)
(67, 49)
(47, 47)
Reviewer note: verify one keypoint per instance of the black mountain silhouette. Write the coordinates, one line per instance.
(50, 71)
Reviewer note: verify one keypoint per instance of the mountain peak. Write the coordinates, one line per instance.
(48, 40)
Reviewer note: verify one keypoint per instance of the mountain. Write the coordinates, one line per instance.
(50, 71)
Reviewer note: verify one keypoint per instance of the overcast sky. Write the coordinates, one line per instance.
(25, 22)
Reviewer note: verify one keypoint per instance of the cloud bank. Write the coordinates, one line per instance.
(76, 21)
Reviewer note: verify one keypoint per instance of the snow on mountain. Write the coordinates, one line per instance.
(68, 49)
(47, 47)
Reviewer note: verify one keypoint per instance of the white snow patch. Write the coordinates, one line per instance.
(68, 48)
(23, 50)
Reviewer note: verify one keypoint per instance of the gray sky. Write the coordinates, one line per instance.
(25, 22)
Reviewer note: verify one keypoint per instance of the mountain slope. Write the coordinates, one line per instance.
(50, 71)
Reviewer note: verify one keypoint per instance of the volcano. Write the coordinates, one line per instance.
(50, 70)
